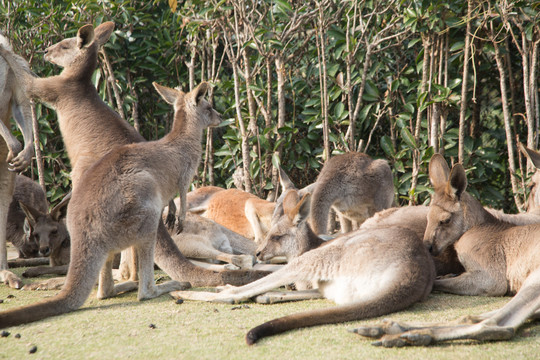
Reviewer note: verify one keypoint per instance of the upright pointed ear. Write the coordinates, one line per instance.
(27, 228)
(85, 36)
(57, 211)
(534, 156)
(103, 32)
(438, 171)
(302, 209)
(457, 182)
(168, 94)
(199, 92)
(31, 213)
(289, 203)
(284, 180)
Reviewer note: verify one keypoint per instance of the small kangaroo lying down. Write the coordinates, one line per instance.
(367, 273)
(119, 203)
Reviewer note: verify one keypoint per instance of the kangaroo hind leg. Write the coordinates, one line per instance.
(106, 287)
(147, 286)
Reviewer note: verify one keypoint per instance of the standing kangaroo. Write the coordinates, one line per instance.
(353, 184)
(90, 129)
(136, 182)
(499, 259)
(13, 102)
(366, 272)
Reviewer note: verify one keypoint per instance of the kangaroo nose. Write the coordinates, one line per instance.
(258, 254)
(45, 251)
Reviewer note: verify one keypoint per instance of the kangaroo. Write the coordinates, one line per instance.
(235, 209)
(353, 184)
(28, 192)
(90, 129)
(13, 158)
(533, 202)
(366, 272)
(203, 238)
(137, 181)
(499, 259)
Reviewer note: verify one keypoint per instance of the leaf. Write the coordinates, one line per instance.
(173, 4)
(275, 160)
(408, 138)
(388, 146)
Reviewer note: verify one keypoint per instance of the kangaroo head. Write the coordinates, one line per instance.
(193, 104)
(288, 235)
(69, 52)
(445, 223)
(46, 231)
(534, 195)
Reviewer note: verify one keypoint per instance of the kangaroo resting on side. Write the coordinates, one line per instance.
(13, 102)
(499, 259)
(366, 272)
(235, 209)
(136, 181)
(90, 129)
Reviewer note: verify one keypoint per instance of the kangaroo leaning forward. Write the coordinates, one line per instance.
(136, 181)
(90, 129)
(366, 272)
(499, 258)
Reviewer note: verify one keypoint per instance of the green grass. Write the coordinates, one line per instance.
(119, 328)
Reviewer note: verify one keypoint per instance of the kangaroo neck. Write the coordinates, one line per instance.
(311, 242)
(474, 213)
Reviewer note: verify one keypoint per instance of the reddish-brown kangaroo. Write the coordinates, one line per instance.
(90, 129)
(366, 272)
(499, 259)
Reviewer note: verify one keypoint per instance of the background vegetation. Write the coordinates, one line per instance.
(300, 81)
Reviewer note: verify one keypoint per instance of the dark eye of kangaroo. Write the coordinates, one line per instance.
(444, 222)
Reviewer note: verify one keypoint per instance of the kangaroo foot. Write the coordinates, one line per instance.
(9, 278)
(166, 287)
(387, 327)
(243, 261)
(50, 284)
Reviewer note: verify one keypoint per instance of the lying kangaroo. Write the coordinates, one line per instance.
(13, 102)
(367, 272)
(353, 184)
(499, 259)
(90, 129)
(235, 209)
(203, 238)
(137, 181)
(28, 192)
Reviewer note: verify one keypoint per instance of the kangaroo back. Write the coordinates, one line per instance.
(355, 185)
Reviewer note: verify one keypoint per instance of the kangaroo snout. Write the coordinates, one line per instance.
(45, 250)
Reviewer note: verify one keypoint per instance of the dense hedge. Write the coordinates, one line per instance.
(301, 81)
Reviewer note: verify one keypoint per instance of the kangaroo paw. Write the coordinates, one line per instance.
(12, 280)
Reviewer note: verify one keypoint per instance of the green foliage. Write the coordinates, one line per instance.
(155, 41)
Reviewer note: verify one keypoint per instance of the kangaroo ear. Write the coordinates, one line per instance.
(289, 203)
(56, 212)
(31, 213)
(200, 91)
(168, 94)
(103, 32)
(302, 209)
(85, 36)
(457, 182)
(534, 156)
(27, 228)
(438, 171)
(284, 180)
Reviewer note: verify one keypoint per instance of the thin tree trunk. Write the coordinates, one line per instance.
(37, 149)
(464, 102)
(112, 81)
(507, 120)
(324, 89)
(280, 70)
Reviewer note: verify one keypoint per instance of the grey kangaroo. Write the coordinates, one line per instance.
(13, 158)
(90, 129)
(353, 184)
(366, 272)
(136, 181)
(499, 258)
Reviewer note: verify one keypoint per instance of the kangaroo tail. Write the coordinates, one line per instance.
(390, 301)
(169, 258)
(82, 275)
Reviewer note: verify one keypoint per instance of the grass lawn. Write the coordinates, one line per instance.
(123, 328)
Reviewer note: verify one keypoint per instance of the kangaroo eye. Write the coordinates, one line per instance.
(54, 231)
(444, 221)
